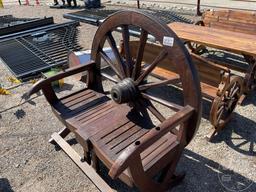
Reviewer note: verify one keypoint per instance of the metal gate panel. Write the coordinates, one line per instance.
(30, 54)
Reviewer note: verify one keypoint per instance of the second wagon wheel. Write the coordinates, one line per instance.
(130, 74)
(225, 103)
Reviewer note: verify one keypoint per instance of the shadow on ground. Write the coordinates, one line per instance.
(5, 185)
(250, 99)
(202, 174)
(239, 134)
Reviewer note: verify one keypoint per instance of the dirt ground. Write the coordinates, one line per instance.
(28, 163)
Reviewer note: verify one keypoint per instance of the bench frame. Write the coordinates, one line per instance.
(107, 128)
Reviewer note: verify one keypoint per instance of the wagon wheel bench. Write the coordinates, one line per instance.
(127, 132)
(217, 83)
(235, 31)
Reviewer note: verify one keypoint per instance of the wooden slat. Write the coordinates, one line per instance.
(87, 169)
(107, 132)
(97, 112)
(161, 151)
(208, 90)
(89, 112)
(113, 137)
(128, 141)
(75, 103)
(103, 124)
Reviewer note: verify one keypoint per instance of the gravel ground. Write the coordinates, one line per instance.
(29, 163)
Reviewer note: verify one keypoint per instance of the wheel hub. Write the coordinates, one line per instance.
(125, 91)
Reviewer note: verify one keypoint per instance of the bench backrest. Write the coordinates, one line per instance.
(232, 20)
(209, 72)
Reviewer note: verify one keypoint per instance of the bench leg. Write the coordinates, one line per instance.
(241, 100)
(211, 134)
(86, 157)
(95, 162)
(63, 133)
(84, 166)
(250, 76)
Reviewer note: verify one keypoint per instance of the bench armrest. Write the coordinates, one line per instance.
(126, 157)
(47, 82)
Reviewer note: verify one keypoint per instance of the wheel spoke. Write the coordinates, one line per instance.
(220, 109)
(220, 113)
(137, 66)
(251, 148)
(109, 62)
(237, 138)
(153, 110)
(232, 89)
(107, 76)
(114, 48)
(235, 91)
(161, 56)
(126, 40)
(171, 105)
(241, 144)
(159, 84)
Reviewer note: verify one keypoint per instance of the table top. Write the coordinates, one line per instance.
(235, 42)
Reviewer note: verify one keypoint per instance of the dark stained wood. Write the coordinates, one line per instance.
(215, 81)
(151, 66)
(111, 64)
(144, 87)
(119, 59)
(128, 58)
(122, 133)
(139, 56)
(171, 105)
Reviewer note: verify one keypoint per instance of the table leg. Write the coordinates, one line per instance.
(250, 76)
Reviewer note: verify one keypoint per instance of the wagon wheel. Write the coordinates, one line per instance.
(250, 78)
(224, 105)
(129, 75)
(195, 47)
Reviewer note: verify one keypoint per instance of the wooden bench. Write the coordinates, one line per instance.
(216, 83)
(138, 142)
(232, 20)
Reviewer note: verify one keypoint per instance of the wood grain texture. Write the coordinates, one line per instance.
(236, 42)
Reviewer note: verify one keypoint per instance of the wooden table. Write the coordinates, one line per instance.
(234, 42)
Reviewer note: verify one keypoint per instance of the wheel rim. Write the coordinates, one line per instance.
(129, 73)
(226, 103)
